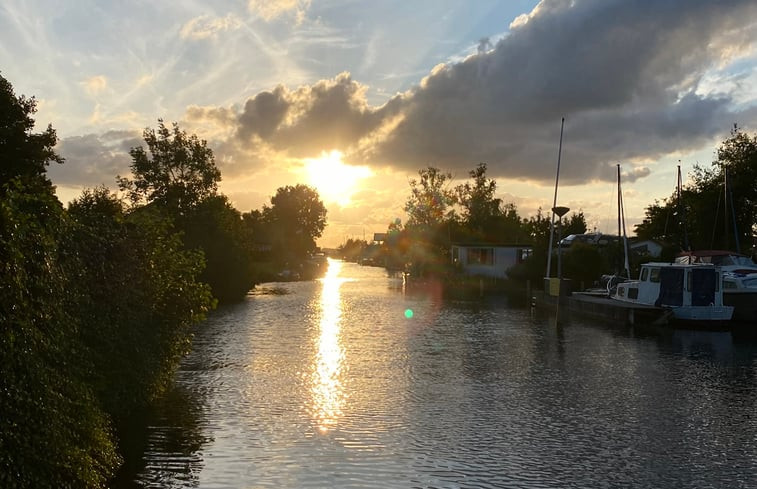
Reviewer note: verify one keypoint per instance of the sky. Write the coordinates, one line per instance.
(355, 97)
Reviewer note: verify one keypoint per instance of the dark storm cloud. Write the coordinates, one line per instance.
(624, 74)
(94, 159)
(331, 114)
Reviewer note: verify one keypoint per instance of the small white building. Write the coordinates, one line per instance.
(646, 247)
(488, 259)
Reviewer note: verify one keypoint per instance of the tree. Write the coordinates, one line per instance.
(575, 224)
(178, 173)
(738, 156)
(431, 200)
(480, 207)
(290, 225)
(22, 153)
(52, 433)
(216, 228)
(430, 221)
(698, 217)
(137, 293)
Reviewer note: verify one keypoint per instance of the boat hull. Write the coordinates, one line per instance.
(744, 303)
(703, 313)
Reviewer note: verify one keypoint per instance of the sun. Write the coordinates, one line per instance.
(334, 180)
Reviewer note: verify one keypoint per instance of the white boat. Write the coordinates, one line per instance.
(739, 279)
(691, 292)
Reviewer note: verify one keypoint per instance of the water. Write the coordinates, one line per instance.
(332, 384)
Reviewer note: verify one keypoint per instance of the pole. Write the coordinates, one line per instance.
(733, 215)
(617, 270)
(559, 251)
(554, 203)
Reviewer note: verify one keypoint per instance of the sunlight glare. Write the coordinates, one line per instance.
(334, 180)
(327, 388)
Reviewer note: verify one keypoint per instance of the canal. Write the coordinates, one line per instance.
(351, 382)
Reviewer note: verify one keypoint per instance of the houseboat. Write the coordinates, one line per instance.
(739, 284)
(690, 292)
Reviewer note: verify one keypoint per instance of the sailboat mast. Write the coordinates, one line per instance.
(554, 204)
(682, 212)
(729, 196)
(622, 229)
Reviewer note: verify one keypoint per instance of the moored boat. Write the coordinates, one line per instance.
(739, 279)
(691, 292)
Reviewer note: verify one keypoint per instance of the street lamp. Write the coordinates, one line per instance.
(560, 211)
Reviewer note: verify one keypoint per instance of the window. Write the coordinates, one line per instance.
(481, 256)
(644, 274)
(654, 275)
(524, 254)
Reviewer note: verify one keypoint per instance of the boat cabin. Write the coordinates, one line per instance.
(693, 291)
(666, 284)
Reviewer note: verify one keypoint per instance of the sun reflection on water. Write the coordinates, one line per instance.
(328, 394)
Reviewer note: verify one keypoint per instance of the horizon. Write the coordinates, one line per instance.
(299, 92)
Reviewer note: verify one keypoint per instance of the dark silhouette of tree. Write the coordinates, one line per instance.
(431, 200)
(216, 228)
(699, 216)
(287, 228)
(23, 154)
(177, 171)
(480, 206)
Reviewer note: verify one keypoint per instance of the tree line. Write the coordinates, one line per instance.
(716, 209)
(98, 299)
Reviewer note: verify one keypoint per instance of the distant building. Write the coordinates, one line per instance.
(646, 247)
(488, 259)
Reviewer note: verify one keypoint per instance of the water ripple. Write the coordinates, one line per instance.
(329, 384)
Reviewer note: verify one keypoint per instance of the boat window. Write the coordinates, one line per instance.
(633, 293)
(750, 283)
(644, 274)
(729, 284)
(654, 275)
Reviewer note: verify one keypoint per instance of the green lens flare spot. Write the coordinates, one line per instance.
(409, 313)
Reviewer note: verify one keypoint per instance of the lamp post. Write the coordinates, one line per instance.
(560, 211)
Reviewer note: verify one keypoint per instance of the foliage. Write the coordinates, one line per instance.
(584, 263)
(353, 249)
(216, 228)
(52, 433)
(477, 199)
(290, 225)
(178, 173)
(698, 218)
(23, 154)
(431, 200)
(96, 305)
(139, 295)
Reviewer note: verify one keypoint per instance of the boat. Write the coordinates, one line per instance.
(739, 279)
(691, 292)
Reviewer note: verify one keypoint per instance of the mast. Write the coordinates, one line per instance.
(682, 212)
(729, 196)
(554, 203)
(622, 229)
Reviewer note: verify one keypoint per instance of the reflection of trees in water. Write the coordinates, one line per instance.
(161, 445)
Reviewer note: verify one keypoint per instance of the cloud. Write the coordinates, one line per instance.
(271, 9)
(95, 84)
(206, 27)
(624, 75)
(627, 77)
(636, 82)
(94, 159)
